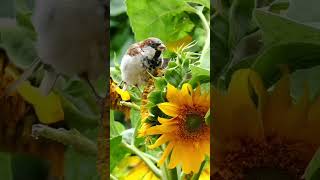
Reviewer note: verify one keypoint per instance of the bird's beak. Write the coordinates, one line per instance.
(161, 47)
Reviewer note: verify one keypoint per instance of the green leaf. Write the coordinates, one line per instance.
(240, 19)
(173, 76)
(160, 83)
(199, 71)
(80, 167)
(305, 77)
(116, 128)
(200, 79)
(5, 166)
(295, 55)
(279, 29)
(304, 11)
(165, 19)
(19, 44)
(220, 55)
(313, 170)
(156, 97)
(134, 117)
(117, 152)
(80, 107)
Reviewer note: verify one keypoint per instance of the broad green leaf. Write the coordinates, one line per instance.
(199, 71)
(79, 104)
(220, 55)
(279, 5)
(134, 117)
(19, 44)
(79, 166)
(304, 11)
(117, 152)
(313, 170)
(5, 166)
(199, 76)
(305, 77)
(278, 29)
(164, 19)
(116, 128)
(295, 55)
(48, 108)
(240, 18)
(199, 79)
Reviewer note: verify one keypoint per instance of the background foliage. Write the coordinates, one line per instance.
(268, 35)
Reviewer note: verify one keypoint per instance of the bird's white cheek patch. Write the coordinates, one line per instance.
(149, 52)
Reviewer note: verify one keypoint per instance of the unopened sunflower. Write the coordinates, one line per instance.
(260, 134)
(187, 134)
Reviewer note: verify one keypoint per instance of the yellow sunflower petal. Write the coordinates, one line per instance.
(166, 121)
(311, 130)
(236, 114)
(186, 92)
(165, 154)
(175, 158)
(125, 96)
(173, 94)
(161, 129)
(169, 109)
(48, 108)
(138, 172)
(196, 96)
(161, 140)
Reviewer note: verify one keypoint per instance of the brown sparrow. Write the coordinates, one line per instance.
(141, 58)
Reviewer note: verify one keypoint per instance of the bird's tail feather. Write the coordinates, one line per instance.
(26, 74)
(48, 82)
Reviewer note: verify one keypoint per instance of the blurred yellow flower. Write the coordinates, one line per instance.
(187, 134)
(260, 132)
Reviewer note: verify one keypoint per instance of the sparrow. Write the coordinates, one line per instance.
(71, 41)
(140, 60)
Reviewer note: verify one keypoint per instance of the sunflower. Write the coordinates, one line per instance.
(262, 134)
(117, 95)
(187, 134)
(133, 168)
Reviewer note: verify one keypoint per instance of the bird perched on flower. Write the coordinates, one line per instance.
(71, 40)
(140, 59)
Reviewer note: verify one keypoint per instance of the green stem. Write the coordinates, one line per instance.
(206, 47)
(135, 132)
(151, 157)
(196, 176)
(130, 105)
(148, 162)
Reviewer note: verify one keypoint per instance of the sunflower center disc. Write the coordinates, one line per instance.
(193, 122)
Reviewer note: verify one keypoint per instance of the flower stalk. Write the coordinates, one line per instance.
(148, 162)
